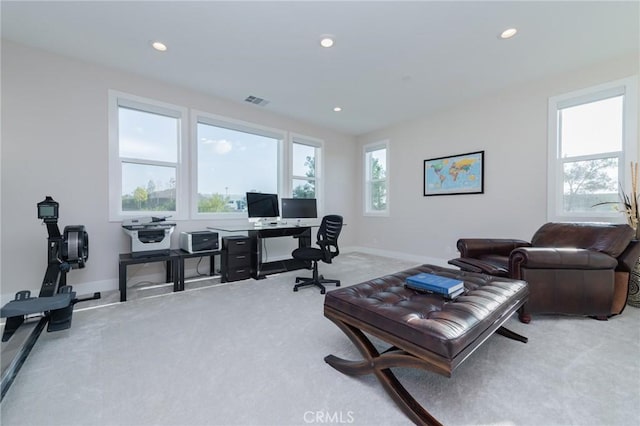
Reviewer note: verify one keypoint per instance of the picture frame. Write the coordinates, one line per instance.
(454, 174)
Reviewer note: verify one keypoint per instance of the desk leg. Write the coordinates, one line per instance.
(178, 274)
(169, 271)
(256, 252)
(122, 281)
(212, 265)
(304, 239)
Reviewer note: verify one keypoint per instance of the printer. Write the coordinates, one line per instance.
(150, 236)
(194, 242)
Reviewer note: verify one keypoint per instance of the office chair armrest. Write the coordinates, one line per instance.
(328, 254)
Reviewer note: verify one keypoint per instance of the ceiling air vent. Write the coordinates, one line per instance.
(256, 100)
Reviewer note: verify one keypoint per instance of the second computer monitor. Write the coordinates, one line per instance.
(299, 208)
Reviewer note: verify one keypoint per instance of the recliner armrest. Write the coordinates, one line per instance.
(475, 265)
(475, 247)
(627, 260)
(558, 258)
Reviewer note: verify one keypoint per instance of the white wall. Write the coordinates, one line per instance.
(55, 142)
(511, 127)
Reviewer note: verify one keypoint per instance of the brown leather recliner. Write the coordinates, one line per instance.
(571, 268)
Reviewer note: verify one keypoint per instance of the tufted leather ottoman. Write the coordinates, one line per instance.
(425, 330)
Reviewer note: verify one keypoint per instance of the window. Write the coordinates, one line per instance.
(153, 170)
(233, 158)
(376, 178)
(591, 144)
(146, 172)
(305, 167)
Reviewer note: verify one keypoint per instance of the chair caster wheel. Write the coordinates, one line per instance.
(295, 289)
(338, 285)
(321, 291)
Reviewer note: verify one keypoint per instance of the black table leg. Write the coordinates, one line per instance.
(122, 282)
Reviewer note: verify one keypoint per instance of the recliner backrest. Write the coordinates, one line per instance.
(611, 239)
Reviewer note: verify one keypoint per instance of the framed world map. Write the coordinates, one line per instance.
(455, 174)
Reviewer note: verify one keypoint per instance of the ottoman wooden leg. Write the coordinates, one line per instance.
(380, 365)
(503, 331)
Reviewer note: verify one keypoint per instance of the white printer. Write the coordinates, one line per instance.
(193, 242)
(150, 236)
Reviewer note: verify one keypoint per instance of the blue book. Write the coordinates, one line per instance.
(435, 283)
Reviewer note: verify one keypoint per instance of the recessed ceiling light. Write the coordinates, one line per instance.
(160, 47)
(508, 33)
(337, 109)
(326, 41)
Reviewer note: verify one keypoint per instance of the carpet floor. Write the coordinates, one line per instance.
(251, 353)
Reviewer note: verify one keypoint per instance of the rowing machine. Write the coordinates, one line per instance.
(66, 251)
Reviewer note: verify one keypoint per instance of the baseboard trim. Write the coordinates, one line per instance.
(397, 255)
(88, 288)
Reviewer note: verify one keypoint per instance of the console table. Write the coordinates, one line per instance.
(181, 255)
(174, 267)
(127, 259)
(260, 269)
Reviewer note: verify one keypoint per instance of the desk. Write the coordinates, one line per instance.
(260, 269)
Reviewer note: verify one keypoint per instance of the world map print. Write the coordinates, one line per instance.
(454, 175)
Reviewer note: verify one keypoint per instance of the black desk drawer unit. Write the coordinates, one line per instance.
(236, 258)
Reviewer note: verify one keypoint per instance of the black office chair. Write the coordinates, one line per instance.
(328, 241)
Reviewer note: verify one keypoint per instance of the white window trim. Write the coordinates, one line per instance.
(374, 146)
(627, 86)
(117, 99)
(319, 177)
(239, 125)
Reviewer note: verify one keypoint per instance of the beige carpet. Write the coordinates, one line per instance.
(251, 353)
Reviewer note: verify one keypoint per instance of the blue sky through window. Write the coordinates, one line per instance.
(231, 162)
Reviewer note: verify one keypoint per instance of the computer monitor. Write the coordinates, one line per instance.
(262, 206)
(299, 208)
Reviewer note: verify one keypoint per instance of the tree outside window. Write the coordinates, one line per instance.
(376, 191)
(306, 188)
(590, 153)
(304, 170)
(587, 183)
(148, 148)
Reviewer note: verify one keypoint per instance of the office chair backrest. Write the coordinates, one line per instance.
(328, 236)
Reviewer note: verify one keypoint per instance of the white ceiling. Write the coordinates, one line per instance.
(392, 61)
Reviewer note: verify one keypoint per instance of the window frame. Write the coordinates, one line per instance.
(119, 99)
(366, 149)
(187, 157)
(318, 145)
(628, 87)
(236, 125)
